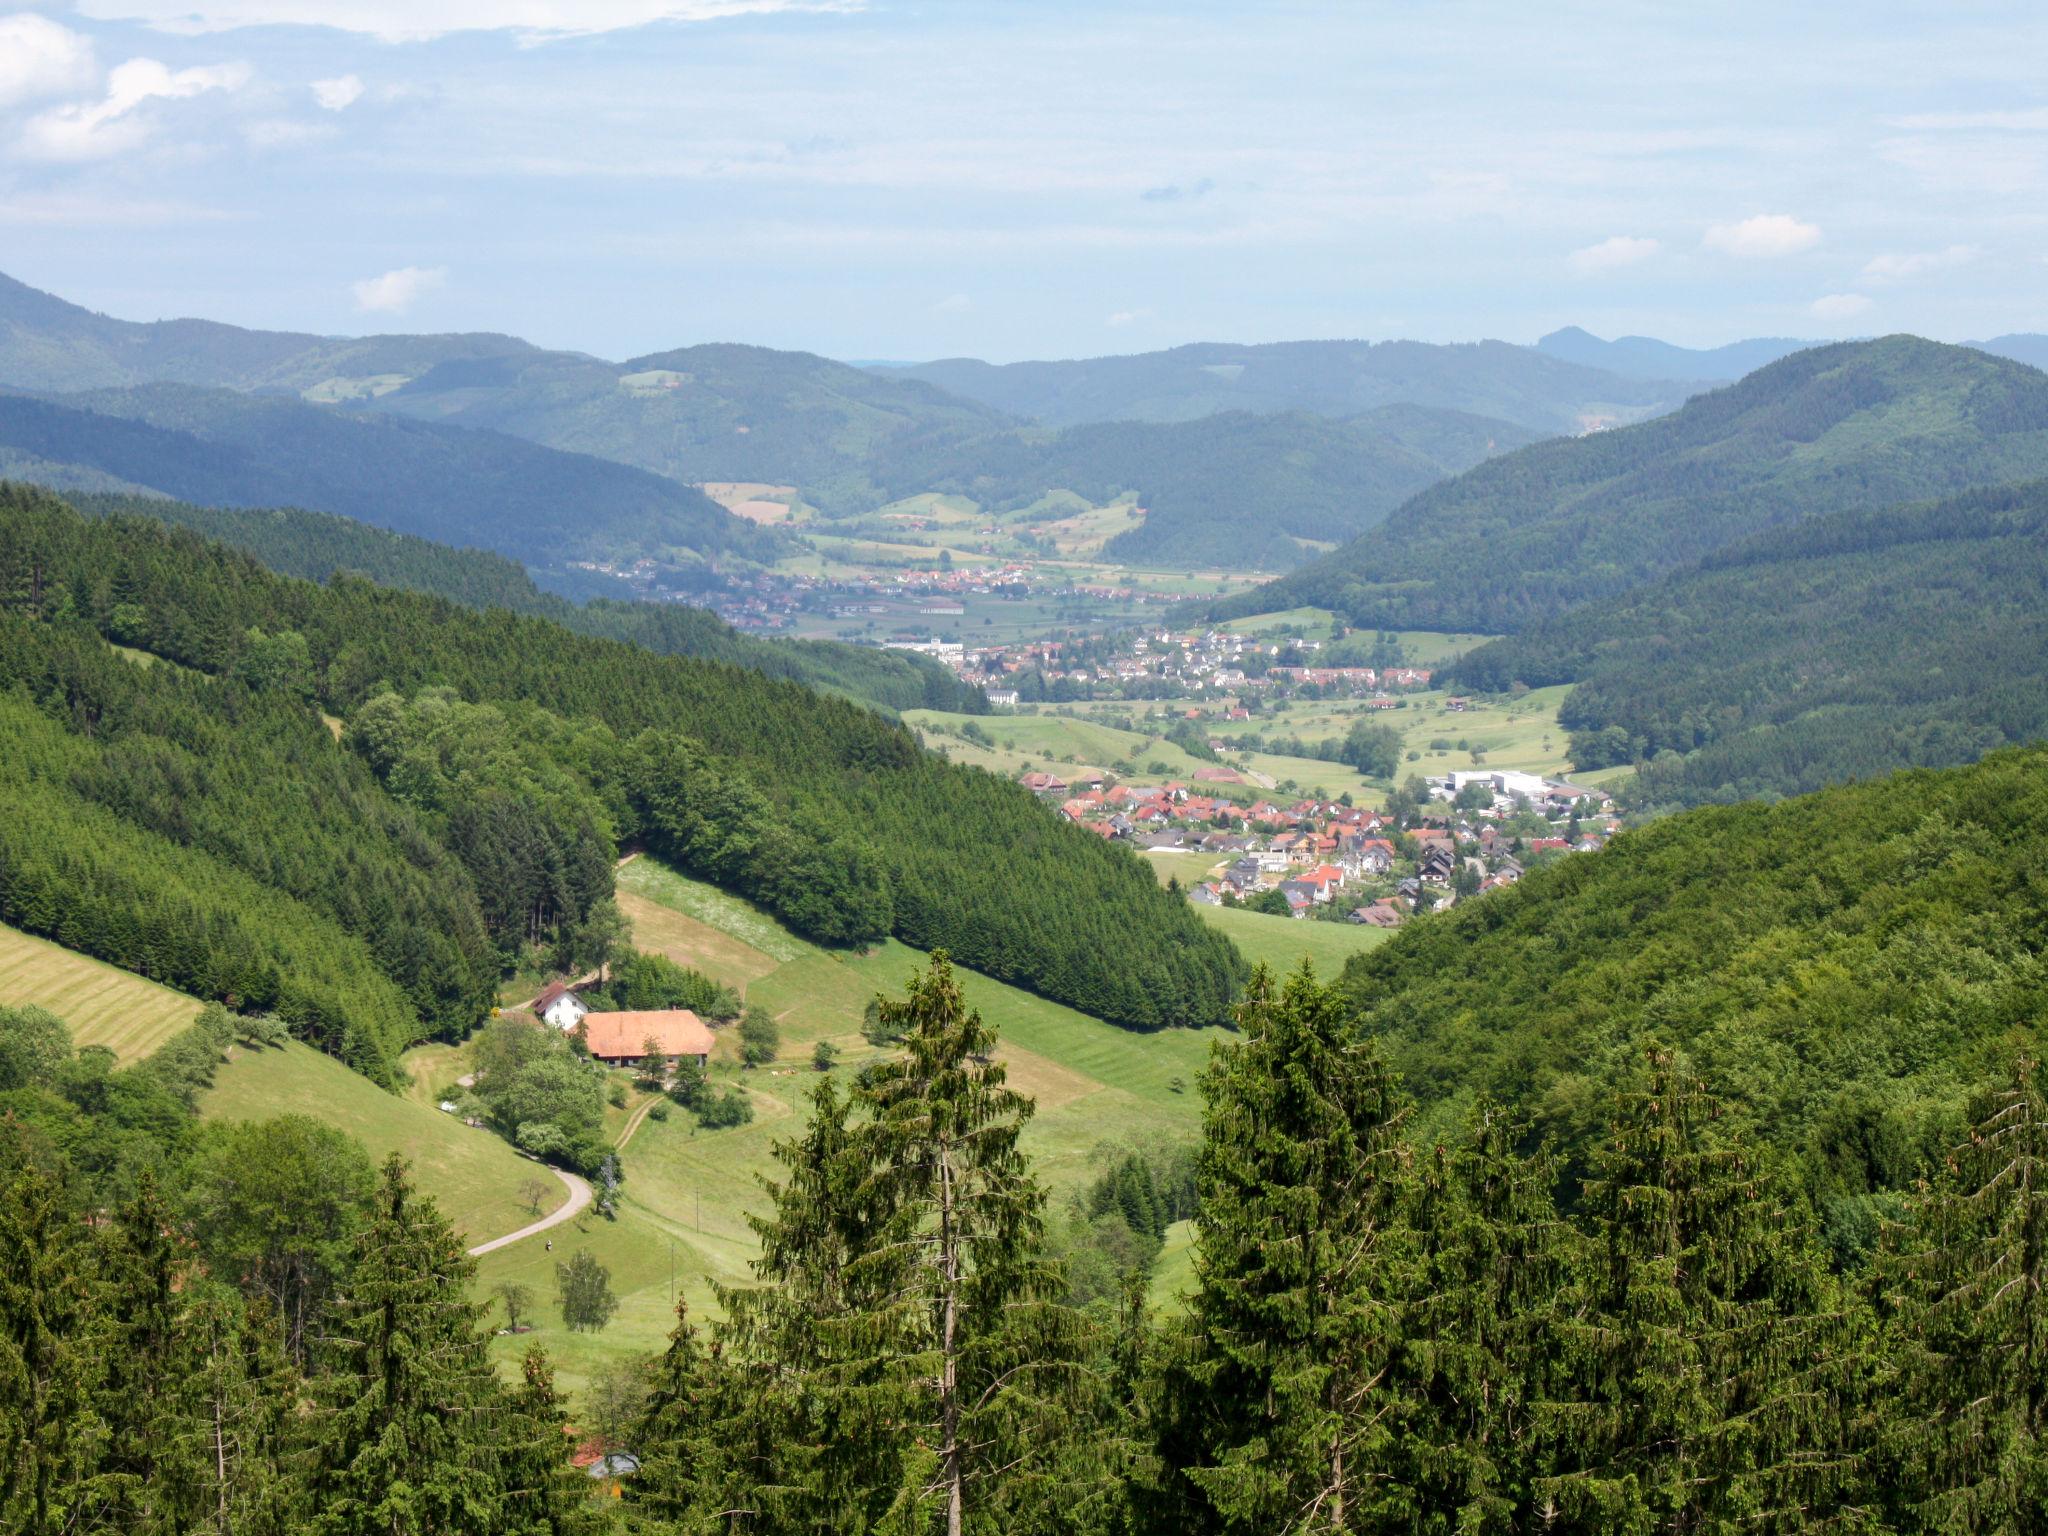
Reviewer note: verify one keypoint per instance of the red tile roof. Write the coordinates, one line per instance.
(678, 1031)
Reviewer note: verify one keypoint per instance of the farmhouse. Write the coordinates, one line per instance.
(620, 1039)
(558, 1006)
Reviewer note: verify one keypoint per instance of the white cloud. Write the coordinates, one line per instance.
(88, 130)
(396, 291)
(412, 21)
(1766, 235)
(285, 133)
(1124, 317)
(1838, 306)
(1610, 255)
(39, 60)
(1898, 268)
(953, 304)
(338, 94)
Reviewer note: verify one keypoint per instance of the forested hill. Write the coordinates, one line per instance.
(1237, 489)
(1840, 648)
(1846, 967)
(316, 545)
(479, 489)
(1531, 534)
(1327, 378)
(159, 804)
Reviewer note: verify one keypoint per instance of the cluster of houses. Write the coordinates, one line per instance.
(1163, 663)
(1315, 853)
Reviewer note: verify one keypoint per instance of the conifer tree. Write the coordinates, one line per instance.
(51, 1435)
(247, 1401)
(1705, 1362)
(945, 1129)
(1299, 1262)
(1971, 1431)
(411, 1416)
(545, 1495)
(822, 1336)
(678, 1434)
(150, 1478)
(1477, 1331)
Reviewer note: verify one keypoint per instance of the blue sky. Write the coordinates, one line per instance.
(909, 180)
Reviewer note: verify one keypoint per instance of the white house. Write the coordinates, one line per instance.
(560, 1007)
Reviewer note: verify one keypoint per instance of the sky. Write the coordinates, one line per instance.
(906, 179)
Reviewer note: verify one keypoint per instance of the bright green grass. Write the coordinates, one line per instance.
(473, 1175)
(1173, 1279)
(1283, 942)
(102, 1005)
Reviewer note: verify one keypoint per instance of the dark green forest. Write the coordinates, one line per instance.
(1842, 648)
(547, 752)
(1389, 1327)
(318, 545)
(1527, 536)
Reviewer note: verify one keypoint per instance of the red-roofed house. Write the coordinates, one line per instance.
(620, 1039)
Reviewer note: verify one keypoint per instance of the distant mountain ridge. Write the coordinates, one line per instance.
(475, 489)
(1532, 534)
(1646, 357)
(1328, 378)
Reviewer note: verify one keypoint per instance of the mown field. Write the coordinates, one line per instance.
(103, 1005)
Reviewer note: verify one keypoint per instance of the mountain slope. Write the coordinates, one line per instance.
(1531, 534)
(1843, 647)
(1845, 967)
(478, 489)
(1328, 378)
(557, 747)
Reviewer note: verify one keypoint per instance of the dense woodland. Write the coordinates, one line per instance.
(1846, 968)
(1842, 648)
(1384, 1332)
(1529, 535)
(549, 752)
(318, 545)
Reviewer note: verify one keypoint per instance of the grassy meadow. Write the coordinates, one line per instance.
(473, 1175)
(102, 1004)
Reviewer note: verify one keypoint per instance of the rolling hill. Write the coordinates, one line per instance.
(1645, 357)
(1531, 534)
(478, 489)
(1239, 490)
(1327, 378)
(1840, 648)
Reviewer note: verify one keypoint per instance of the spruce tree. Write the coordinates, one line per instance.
(545, 1495)
(1478, 1327)
(1704, 1362)
(51, 1322)
(995, 1355)
(1299, 1261)
(250, 1430)
(1970, 1433)
(679, 1434)
(150, 1478)
(412, 1419)
(820, 1339)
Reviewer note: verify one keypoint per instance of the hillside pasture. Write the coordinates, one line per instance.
(103, 1005)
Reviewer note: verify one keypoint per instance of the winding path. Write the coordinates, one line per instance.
(569, 1210)
(633, 1124)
